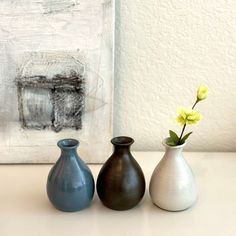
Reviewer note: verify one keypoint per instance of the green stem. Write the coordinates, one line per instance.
(182, 132)
(195, 104)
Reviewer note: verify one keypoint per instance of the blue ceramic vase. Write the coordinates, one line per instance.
(70, 184)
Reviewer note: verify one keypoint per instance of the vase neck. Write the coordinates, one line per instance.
(68, 148)
(173, 152)
(71, 153)
(121, 149)
(122, 144)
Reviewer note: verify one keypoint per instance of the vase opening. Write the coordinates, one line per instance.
(122, 141)
(172, 147)
(68, 144)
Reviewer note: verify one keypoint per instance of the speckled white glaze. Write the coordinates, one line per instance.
(172, 186)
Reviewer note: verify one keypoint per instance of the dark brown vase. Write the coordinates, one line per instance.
(121, 183)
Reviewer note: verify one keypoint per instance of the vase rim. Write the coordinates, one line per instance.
(122, 141)
(172, 147)
(68, 143)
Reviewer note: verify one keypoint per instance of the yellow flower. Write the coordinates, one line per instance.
(202, 92)
(188, 116)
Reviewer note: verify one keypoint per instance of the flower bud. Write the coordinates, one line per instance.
(202, 92)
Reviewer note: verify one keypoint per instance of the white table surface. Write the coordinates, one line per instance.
(25, 209)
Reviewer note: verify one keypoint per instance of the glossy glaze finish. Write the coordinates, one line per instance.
(70, 184)
(172, 186)
(121, 183)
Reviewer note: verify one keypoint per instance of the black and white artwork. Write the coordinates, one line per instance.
(56, 75)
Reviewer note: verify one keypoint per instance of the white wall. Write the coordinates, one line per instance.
(164, 50)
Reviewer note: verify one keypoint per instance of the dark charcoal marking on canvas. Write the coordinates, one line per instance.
(56, 102)
(20, 104)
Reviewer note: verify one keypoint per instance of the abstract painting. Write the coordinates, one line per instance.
(56, 76)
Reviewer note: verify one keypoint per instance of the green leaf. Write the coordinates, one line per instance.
(170, 142)
(174, 137)
(185, 137)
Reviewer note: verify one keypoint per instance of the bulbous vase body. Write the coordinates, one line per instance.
(172, 185)
(70, 184)
(121, 183)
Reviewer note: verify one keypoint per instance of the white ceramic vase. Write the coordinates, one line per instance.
(172, 186)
